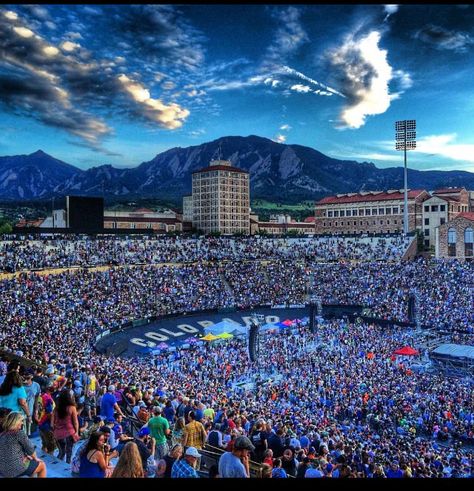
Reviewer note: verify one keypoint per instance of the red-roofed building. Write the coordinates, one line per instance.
(369, 212)
(455, 239)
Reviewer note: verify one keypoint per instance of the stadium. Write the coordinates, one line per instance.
(304, 354)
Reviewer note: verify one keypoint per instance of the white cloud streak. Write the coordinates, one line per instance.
(302, 76)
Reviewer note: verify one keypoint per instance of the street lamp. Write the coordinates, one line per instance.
(405, 139)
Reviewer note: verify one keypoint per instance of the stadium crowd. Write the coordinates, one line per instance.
(16, 254)
(339, 404)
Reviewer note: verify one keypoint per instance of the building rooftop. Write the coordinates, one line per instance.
(391, 194)
(228, 168)
(447, 190)
(466, 214)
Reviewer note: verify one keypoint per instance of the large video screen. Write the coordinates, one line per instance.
(85, 214)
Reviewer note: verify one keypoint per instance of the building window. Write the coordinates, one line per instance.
(335, 224)
(427, 209)
(442, 221)
(342, 213)
(367, 212)
(395, 222)
(354, 213)
(442, 207)
(381, 211)
(427, 221)
(395, 210)
(388, 211)
(468, 241)
(361, 212)
(427, 243)
(374, 211)
(434, 207)
(329, 214)
(452, 242)
(427, 232)
(355, 223)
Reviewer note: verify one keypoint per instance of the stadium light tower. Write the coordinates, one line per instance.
(405, 139)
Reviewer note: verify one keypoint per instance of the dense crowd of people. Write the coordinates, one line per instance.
(333, 403)
(16, 254)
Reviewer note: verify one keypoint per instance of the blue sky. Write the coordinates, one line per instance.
(95, 84)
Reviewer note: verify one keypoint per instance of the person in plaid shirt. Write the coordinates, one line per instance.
(184, 468)
(194, 433)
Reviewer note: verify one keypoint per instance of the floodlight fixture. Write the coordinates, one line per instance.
(405, 139)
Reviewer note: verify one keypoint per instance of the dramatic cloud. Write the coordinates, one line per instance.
(285, 127)
(169, 116)
(36, 96)
(289, 37)
(444, 39)
(364, 75)
(52, 84)
(157, 33)
(280, 138)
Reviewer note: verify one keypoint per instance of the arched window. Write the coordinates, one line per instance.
(452, 242)
(468, 242)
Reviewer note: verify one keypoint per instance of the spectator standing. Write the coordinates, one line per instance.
(65, 424)
(33, 392)
(194, 433)
(108, 404)
(159, 430)
(13, 394)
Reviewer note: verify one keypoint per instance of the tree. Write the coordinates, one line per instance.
(5, 227)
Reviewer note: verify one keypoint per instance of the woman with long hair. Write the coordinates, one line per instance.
(177, 435)
(94, 460)
(17, 453)
(13, 395)
(130, 463)
(65, 424)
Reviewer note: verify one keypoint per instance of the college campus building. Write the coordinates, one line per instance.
(369, 212)
(220, 199)
(143, 218)
(455, 238)
(282, 224)
(441, 208)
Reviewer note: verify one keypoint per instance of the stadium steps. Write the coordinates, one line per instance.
(227, 287)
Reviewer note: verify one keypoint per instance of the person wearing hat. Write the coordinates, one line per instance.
(146, 445)
(236, 463)
(185, 467)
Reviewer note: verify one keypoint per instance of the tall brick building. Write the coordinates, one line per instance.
(455, 239)
(369, 212)
(221, 199)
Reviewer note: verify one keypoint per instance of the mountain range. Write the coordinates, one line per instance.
(278, 172)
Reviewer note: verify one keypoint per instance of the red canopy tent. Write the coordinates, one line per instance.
(406, 351)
